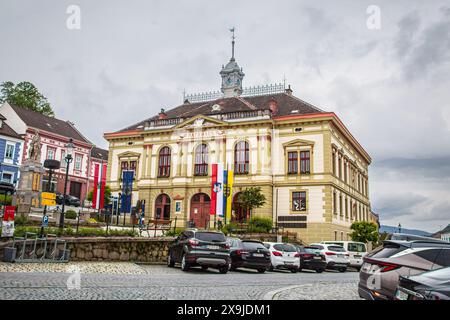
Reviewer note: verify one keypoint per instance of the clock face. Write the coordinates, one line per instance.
(229, 80)
(238, 81)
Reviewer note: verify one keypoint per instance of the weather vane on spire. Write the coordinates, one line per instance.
(232, 43)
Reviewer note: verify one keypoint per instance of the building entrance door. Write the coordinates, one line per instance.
(200, 204)
(162, 207)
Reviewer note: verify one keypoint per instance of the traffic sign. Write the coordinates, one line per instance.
(45, 221)
(48, 198)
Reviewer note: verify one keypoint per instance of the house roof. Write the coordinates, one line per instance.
(446, 229)
(49, 124)
(99, 153)
(6, 130)
(287, 103)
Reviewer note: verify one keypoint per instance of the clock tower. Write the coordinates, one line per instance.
(232, 75)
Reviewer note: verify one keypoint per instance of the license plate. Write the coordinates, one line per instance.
(212, 247)
(340, 255)
(288, 262)
(318, 258)
(356, 256)
(401, 295)
(258, 255)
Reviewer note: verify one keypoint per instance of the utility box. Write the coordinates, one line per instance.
(9, 254)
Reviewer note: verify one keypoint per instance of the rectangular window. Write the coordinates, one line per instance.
(133, 166)
(123, 167)
(345, 171)
(304, 162)
(334, 203)
(333, 162)
(292, 162)
(299, 201)
(51, 153)
(9, 151)
(7, 177)
(341, 212)
(340, 166)
(78, 160)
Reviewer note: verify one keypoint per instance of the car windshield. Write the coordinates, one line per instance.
(336, 248)
(267, 245)
(253, 245)
(285, 247)
(358, 247)
(210, 236)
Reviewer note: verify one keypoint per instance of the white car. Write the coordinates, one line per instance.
(283, 256)
(356, 250)
(337, 257)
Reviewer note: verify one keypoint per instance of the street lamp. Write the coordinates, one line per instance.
(68, 159)
(51, 165)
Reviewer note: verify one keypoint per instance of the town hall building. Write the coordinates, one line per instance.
(312, 170)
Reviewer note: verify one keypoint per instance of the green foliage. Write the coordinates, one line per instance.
(364, 231)
(25, 95)
(6, 201)
(107, 197)
(70, 214)
(172, 233)
(82, 232)
(252, 198)
(20, 220)
(260, 225)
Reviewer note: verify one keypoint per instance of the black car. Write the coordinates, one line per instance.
(311, 259)
(200, 248)
(430, 285)
(250, 254)
(70, 200)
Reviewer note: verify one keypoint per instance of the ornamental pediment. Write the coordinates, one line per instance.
(298, 143)
(129, 154)
(200, 121)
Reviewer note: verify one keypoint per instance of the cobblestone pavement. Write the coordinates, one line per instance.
(131, 281)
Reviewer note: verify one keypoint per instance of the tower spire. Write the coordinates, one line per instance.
(232, 43)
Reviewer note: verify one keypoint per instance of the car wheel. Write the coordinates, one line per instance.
(300, 269)
(294, 270)
(342, 269)
(170, 261)
(184, 264)
(319, 270)
(261, 270)
(224, 269)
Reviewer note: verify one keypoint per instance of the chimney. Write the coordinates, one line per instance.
(288, 90)
(273, 105)
(162, 114)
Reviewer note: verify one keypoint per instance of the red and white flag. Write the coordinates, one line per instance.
(98, 194)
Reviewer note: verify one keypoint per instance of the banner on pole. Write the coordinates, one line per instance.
(98, 194)
(127, 189)
(8, 221)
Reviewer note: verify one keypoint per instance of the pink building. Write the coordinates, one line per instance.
(55, 134)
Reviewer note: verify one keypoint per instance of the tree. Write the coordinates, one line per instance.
(252, 198)
(107, 197)
(364, 231)
(25, 95)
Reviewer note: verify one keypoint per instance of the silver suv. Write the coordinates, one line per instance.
(380, 272)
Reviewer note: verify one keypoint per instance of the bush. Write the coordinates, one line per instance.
(260, 225)
(20, 220)
(172, 233)
(82, 232)
(70, 214)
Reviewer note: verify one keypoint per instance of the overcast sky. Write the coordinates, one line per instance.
(390, 86)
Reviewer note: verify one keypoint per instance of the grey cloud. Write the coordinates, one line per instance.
(397, 205)
(425, 169)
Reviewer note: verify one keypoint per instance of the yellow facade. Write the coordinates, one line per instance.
(269, 140)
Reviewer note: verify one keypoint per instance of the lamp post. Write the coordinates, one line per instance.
(51, 165)
(68, 159)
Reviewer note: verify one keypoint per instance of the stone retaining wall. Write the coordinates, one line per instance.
(149, 250)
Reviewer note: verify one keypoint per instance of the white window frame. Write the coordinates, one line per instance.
(12, 176)
(13, 145)
(75, 162)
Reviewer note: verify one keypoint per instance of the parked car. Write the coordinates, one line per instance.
(336, 257)
(379, 275)
(356, 251)
(200, 248)
(70, 200)
(249, 254)
(311, 259)
(430, 285)
(283, 256)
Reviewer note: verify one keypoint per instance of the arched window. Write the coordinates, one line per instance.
(201, 160)
(164, 162)
(241, 157)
